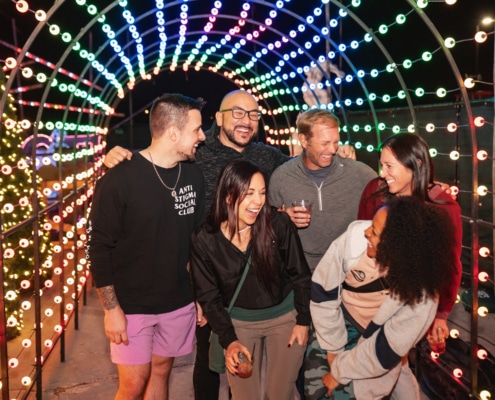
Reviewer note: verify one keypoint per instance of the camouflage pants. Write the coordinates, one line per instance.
(316, 365)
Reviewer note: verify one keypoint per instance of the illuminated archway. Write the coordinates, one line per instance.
(266, 47)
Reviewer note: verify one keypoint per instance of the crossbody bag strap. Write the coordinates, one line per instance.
(239, 285)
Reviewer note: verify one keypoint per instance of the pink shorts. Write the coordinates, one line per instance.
(166, 335)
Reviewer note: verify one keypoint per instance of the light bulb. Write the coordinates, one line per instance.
(25, 284)
(480, 37)
(482, 354)
(482, 311)
(22, 6)
(13, 363)
(469, 83)
(9, 123)
(479, 121)
(482, 155)
(483, 276)
(452, 127)
(449, 42)
(27, 72)
(40, 15)
(26, 381)
(454, 155)
(482, 190)
(10, 62)
(484, 251)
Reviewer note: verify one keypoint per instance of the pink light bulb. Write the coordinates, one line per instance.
(482, 354)
(483, 276)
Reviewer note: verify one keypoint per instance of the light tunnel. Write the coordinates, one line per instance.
(76, 71)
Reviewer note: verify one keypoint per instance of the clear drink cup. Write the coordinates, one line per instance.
(245, 367)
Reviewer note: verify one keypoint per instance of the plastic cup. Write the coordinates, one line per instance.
(437, 345)
(307, 204)
(245, 368)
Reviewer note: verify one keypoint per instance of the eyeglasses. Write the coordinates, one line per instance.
(239, 113)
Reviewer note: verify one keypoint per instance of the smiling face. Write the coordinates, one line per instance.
(237, 133)
(399, 178)
(320, 148)
(250, 206)
(374, 232)
(191, 135)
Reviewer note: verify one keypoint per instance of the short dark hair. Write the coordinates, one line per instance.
(171, 109)
(417, 248)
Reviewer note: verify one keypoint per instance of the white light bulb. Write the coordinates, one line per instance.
(480, 37)
(484, 252)
(469, 83)
(482, 155)
(482, 311)
(482, 190)
(479, 121)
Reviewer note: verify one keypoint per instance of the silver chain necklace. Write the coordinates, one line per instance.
(174, 193)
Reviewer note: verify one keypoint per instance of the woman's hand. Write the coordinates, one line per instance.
(200, 317)
(347, 151)
(330, 383)
(299, 333)
(439, 330)
(231, 356)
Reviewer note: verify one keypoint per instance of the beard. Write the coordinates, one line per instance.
(191, 156)
(230, 135)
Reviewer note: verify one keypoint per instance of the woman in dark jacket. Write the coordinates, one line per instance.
(272, 309)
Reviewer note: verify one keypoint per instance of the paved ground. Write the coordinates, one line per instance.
(88, 373)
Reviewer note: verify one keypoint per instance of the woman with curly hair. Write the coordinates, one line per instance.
(404, 243)
(271, 313)
(408, 170)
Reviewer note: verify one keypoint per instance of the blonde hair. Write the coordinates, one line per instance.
(306, 120)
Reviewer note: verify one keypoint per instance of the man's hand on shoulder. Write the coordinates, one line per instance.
(115, 156)
(347, 151)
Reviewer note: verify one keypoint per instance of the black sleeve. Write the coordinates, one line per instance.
(206, 285)
(104, 224)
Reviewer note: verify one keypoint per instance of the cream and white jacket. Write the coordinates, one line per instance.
(374, 364)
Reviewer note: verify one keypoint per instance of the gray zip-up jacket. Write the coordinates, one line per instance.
(335, 201)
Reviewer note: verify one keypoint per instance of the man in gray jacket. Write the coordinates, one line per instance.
(334, 186)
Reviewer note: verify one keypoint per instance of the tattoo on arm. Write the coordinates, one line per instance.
(108, 297)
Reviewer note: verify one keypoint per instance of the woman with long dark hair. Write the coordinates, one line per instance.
(408, 170)
(271, 312)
